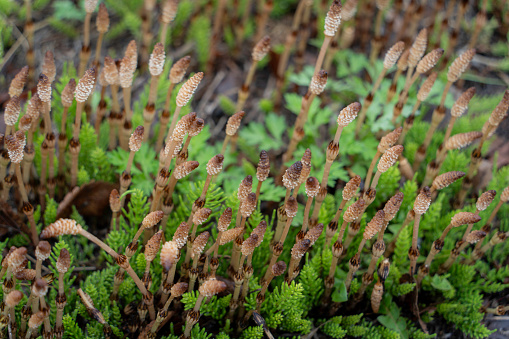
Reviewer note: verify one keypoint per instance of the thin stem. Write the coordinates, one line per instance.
(371, 168)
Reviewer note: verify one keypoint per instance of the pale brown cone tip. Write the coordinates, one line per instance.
(461, 105)
(500, 112)
(169, 254)
(348, 10)
(136, 139)
(291, 207)
(245, 188)
(18, 83)
(318, 82)
(351, 187)
(17, 257)
(393, 54)
(169, 10)
(261, 48)
(505, 195)
(333, 19)
(278, 268)
(312, 187)
(152, 219)
(13, 298)
(263, 169)
(212, 287)
(12, 111)
(63, 261)
(249, 245)
(354, 211)
(260, 231)
(111, 73)
(44, 88)
(460, 64)
(426, 86)
(36, 319)
(181, 234)
(40, 288)
(403, 60)
(43, 250)
(475, 236)
(233, 123)
(215, 165)
(178, 289)
(196, 127)
(103, 19)
(462, 140)
(48, 66)
(184, 169)
(67, 95)
(313, 234)
(389, 140)
(300, 248)
(418, 48)
(85, 85)
(201, 216)
(156, 61)
(15, 144)
(225, 220)
(392, 206)
(153, 245)
(187, 90)
(199, 244)
(230, 235)
(292, 175)
(389, 158)
(374, 225)
(429, 61)
(248, 205)
(178, 70)
(348, 114)
(115, 200)
(90, 6)
(446, 179)
(422, 201)
(485, 200)
(61, 227)
(464, 218)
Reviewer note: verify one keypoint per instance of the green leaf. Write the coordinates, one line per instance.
(340, 294)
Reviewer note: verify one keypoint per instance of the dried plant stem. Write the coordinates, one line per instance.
(414, 249)
(174, 120)
(61, 304)
(126, 130)
(161, 315)
(304, 32)
(47, 324)
(244, 90)
(100, 112)
(392, 244)
(477, 254)
(27, 207)
(372, 167)
(323, 50)
(305, 221)
(21, 185)
(149, 110)
(436, 119)
(259, 187)
(376, 42)
(353, 266)
(307, 100)
(353, 229)
(329, 281)
(98, 47)
(480, 21)
(85, 49)
(393, 87)
(216, 33)
(264, 17)
(165, 117)
(285, 56)
(329, 235)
